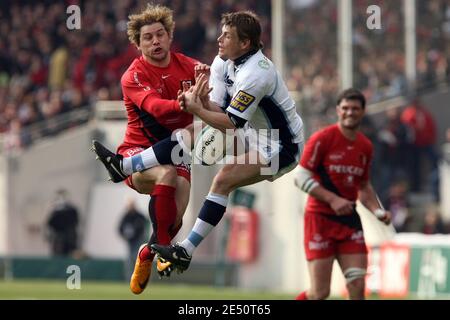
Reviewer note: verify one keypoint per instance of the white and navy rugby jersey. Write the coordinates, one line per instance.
(250, 89)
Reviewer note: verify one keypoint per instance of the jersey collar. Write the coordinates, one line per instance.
(242, 59)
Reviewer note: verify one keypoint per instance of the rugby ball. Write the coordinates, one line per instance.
(211, 145)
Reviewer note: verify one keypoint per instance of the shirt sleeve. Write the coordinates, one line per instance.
(219, 93)
(248, 94)
(313, 152)
(138, 89)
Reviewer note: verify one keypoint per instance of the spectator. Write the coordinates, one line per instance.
(420, 121)
(397, 203)
(62, 226)
(394, 147)
(432, 221)
(133, 228)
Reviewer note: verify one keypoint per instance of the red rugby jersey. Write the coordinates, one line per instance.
(338, 164)
(150, 94)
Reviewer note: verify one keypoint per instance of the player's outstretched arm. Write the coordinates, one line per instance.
(215, 119)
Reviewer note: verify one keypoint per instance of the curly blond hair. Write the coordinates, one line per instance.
(151, 14)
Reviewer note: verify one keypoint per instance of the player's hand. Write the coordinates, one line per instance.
(201, 89)
(386, 218)
(202, 68)
(186, 86)
(190, 103)
(342, 206)
(181, 100)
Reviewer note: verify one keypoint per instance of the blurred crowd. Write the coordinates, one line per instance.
(47, 70)
(406, 165)
(378, 54)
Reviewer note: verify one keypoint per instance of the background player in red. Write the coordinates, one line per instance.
(334, 171)
(150, 88)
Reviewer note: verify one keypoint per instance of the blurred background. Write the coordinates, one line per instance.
(60, 88)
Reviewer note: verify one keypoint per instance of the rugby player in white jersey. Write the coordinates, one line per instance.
(255, 101)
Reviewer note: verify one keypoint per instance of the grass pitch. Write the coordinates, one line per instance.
(90, 290)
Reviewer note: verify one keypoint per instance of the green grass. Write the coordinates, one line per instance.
(50, 289)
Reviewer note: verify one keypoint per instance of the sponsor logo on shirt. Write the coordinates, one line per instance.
(336, 156)
(136, 79)
(349, 181)
(339, 168)
(241, 101)
(185, 85)
(314, 155)
(263, 64)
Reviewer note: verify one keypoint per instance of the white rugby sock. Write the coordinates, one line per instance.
(200, 230)
(139, 162)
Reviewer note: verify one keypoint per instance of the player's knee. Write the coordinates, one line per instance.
(224, 181)
(356, 288)
(143, 183)
(355, 278)
(354, 275)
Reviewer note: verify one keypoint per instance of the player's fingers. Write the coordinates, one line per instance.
(197, 70)
(202, 85)
(198, 78)
(205, 70)
(205, 86)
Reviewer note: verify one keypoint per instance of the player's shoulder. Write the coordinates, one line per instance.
(132, 72)
(258, 68)
(326, 132)
(365, 141)
(219, 65)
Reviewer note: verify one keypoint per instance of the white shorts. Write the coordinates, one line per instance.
(281, 157)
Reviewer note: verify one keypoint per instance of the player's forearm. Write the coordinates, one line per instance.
(305, 181)
(368, 197)
(217, 120)
(160, 107)
(322, 194)
(211, 106)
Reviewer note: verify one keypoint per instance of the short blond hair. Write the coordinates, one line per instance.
(151, 14)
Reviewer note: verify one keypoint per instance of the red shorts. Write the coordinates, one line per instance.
(183, 170)
(327, 238)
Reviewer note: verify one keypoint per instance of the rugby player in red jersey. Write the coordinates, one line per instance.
(334, 171)
(150, 88)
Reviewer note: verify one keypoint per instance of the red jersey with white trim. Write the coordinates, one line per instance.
(338, 164)
(150, 95)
